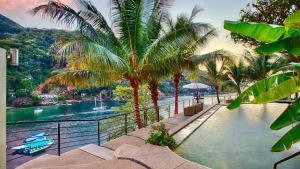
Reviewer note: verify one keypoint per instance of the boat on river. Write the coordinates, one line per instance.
(101, 104)
(35, 143)
(38, 110)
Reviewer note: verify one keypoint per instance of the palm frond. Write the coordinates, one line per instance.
(95, 18)
(80, 78)
(196, 10)
(61, 13)
(166, 46)
(93, 51)
(218, 55)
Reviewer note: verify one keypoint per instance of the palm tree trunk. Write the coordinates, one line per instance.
(239, 89)
(153, 87)
(217, 92)
(135, 86)
(176, 83)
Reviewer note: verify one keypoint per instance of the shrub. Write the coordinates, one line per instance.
(35, 100)
(160, 136)
(62, 97)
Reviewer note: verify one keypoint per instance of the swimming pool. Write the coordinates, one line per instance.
(239, 139)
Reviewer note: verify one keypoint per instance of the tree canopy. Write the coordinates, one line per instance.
(267, 11)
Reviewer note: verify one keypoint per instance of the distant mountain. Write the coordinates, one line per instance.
(35, 61)
(7, 26)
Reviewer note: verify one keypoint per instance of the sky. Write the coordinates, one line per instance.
(214, 12)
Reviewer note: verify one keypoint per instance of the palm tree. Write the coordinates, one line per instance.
(214, 64)
(236, 76)
(202, 32)
(251, 67)
(101, 54)
(262, 66)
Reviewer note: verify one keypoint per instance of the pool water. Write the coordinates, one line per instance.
(239, 139)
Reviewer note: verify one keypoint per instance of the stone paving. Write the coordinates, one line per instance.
(154, 157)
(128, 151)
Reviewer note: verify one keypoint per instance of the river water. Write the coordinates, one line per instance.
(80, 111)
(60, 112)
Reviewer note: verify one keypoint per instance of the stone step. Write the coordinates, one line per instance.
(51, 161)
(106, 164)
(98, 151)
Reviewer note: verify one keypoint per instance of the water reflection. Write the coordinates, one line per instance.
(238, 139)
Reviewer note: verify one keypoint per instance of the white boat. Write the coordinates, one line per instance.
(38, 110)
(34, 136)
(101, 104)
(99, 108)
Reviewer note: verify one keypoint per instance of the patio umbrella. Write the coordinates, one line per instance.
(196, 86)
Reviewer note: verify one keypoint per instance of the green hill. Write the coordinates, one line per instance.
(35, 60)
(8, 27)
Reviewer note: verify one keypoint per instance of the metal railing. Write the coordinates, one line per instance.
(286, 159)
(71, 134)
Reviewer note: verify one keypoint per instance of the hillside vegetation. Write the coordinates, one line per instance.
(36, 62)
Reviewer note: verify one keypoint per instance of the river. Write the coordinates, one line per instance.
(81, 111)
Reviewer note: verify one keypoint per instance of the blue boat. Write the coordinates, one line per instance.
(35, 143)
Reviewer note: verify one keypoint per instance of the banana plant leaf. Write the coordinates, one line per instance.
(291, 45)
(293, 21)
(273, 88)
(260, 31)
(286, 141)
(280, 91)
(290, 115)
(291, 33)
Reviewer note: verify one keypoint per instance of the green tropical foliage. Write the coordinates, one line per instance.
(160, 136)
(277, 86)
(101, 55)
(35, 59)
(215, 65)
(236, 76)
(124, 93)
(8, 27)
(201, 32)
(279, 38)
(262, 66)
(267, 11)
(261, 31)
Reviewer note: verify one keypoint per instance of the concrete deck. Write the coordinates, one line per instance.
(154, 157)
(128, 151)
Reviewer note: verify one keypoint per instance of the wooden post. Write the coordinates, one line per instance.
(2, 108)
